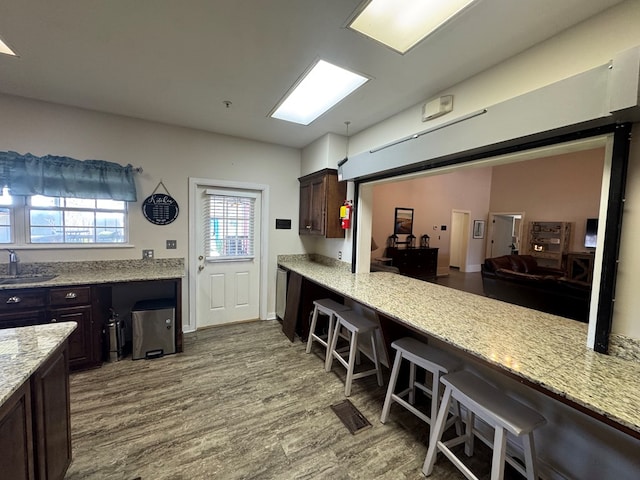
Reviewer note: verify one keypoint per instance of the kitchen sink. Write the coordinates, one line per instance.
(27, 278)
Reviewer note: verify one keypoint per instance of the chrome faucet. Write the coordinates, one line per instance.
(13, 263)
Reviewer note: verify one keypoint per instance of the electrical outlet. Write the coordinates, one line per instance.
(340, 255)
(147, 254)
(172, 244)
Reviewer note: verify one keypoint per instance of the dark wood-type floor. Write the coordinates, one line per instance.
(468, 282)
(241, 402)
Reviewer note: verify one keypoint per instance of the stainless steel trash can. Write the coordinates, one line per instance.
(153, 328)
(115, 337)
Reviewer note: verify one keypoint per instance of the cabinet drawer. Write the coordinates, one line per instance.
(22, 318)
(11, 300)
(68, 296)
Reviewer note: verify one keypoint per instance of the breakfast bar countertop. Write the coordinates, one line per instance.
(24, 349)
(540, 348)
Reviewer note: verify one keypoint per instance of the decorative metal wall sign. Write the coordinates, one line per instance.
(160, 208)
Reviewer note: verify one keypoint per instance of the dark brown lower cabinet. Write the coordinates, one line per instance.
(16, 436)
(35, 426)
(51, 416)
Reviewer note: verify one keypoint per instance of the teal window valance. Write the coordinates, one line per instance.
(55, 176)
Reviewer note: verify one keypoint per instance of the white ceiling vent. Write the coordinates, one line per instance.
(436, 108)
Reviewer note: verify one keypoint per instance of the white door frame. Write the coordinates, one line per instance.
(194, 184)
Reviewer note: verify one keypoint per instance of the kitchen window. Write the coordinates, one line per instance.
(39, 219)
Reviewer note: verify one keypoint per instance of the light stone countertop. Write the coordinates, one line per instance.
(543, 349)
(24, 349)
(100, 272)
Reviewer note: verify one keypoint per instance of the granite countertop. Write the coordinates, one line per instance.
(97, 272)
(544, 349)
(24, 349)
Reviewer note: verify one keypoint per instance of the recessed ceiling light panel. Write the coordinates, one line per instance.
(323, 86)
(401, 24)
(4, 48)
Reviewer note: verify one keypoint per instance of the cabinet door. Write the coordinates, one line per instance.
(81, 348)
(312, 206)
(16, 459)
(304, 226)
(52, 429)
(318, 208)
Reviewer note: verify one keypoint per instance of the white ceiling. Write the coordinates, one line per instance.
(176, 62)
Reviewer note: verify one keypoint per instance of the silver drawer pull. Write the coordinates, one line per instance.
(71, 295)
(14, 300)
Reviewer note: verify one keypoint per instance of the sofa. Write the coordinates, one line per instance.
(520, 280)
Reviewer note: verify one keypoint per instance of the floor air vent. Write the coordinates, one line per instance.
(350, 416)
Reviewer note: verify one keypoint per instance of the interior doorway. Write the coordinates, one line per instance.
(504, 234)
(459, 245)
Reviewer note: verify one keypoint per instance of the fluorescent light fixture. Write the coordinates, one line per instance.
(401, 24)
(4, 48)
(319, 89)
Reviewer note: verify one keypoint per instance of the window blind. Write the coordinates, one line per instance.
(229, 221)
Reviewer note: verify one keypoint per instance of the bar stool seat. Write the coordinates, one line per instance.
(356, 326)
(503, 413)
(328, 307)
(429, 358)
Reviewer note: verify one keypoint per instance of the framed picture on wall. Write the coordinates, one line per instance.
(478, 228)
(403, 221)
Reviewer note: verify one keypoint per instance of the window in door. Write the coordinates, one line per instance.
(228, 228)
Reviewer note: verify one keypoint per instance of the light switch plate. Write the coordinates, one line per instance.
(147, 254)
(172, 244)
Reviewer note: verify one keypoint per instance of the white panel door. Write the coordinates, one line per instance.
(502, 235)
(228, 277)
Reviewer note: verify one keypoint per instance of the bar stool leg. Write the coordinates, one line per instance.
(376, 360)
(395, 371)
(334, 341)
(351, 364)
(529, 457)
(499, 454)
(312, 329)
(436, 433)
(412, 383)
(469, 440)
(435, 390)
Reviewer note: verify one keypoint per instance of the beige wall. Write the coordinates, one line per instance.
(559, 188)
(433, 198)
(627, 305)
(166, 153)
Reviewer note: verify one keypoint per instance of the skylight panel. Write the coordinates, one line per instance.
(322, 87)
(401, 24)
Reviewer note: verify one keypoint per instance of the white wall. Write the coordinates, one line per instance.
(588, 45)
(166, 153)
(325, 152)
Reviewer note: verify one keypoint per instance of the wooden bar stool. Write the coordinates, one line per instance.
(426, 357)
(327, 307)
(500, 411)
(356, 325)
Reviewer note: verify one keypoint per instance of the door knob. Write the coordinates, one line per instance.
(200, 268)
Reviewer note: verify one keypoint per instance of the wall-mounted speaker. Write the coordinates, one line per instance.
(436, 108)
